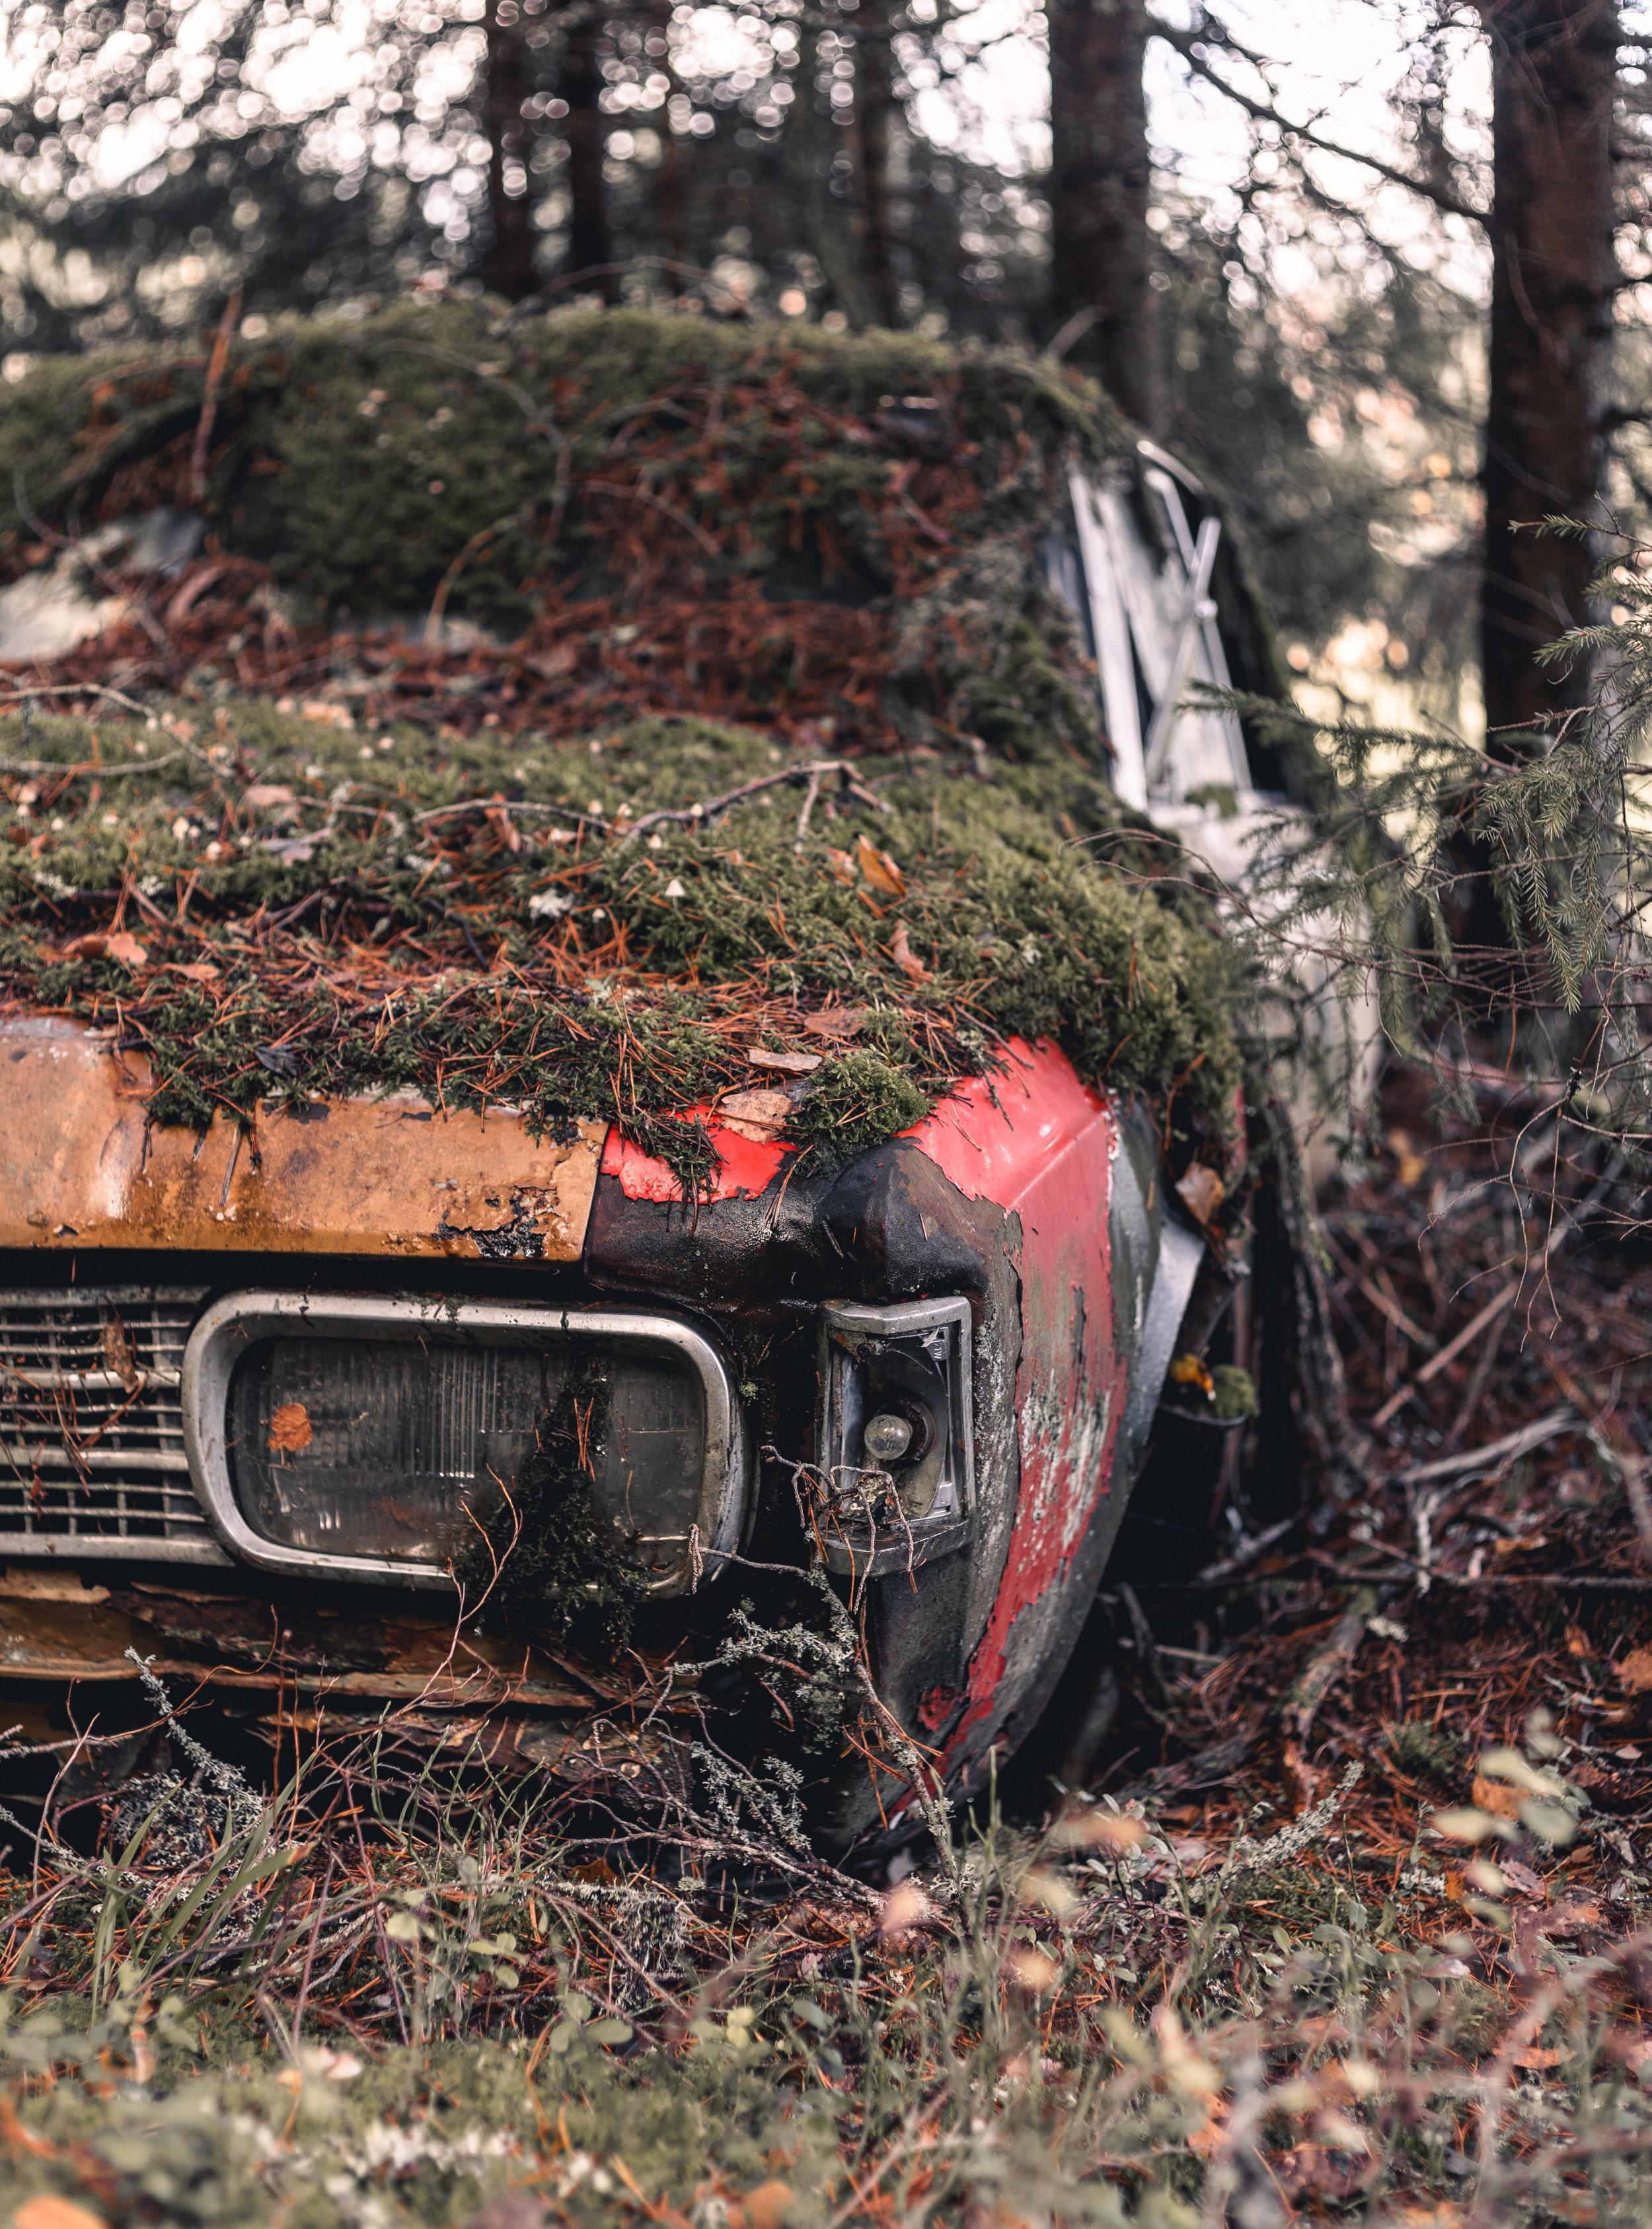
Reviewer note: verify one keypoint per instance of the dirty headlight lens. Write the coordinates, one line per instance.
(895, 1430)
(368, 1438)
(390, 1448)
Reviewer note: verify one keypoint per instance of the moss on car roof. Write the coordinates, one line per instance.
(289, 856)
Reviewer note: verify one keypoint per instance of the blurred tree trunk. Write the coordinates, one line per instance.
(671, 208)
(1100, 175)
(590, 241)
(507, 262)
(807, 159)
(1554, 275)
(875, 108)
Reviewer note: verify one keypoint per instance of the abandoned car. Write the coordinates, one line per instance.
(334, 1380)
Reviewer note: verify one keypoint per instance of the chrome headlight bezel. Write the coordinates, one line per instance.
(941, 1331)
(231, 1326)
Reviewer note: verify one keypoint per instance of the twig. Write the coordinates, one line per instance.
(815, 771)
(215, 363)
(1494, 1454)
(1449, 1353)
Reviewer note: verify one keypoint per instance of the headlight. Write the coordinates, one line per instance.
(895, 1449)
(365, 1438)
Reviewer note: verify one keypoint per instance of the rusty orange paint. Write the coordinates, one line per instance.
(80, 1166)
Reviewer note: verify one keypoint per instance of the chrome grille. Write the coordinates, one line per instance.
(92, 1454)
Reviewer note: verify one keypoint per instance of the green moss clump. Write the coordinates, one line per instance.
(272, 916)
(1233, 1392)
(856, 1101)
(684, 513)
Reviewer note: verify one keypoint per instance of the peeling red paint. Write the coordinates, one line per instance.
(745, 1169)
(1045, 1152)
(994, 1133)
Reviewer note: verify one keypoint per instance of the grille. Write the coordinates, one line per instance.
(92, 1457)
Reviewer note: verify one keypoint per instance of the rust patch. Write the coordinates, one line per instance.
(80, 1166)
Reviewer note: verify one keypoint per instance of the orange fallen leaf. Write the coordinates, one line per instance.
(904, 958)
(904, 1906)
(842, 864)
(1492, 1795)
(198, 970)
(1188, 1370)
(113, 944)
(1635, 1671)
(48, 2212)
(1201, 1192)
(791, 1063)
(1115, 1834)
(833, 1022)
(290, 1431)
(1035, 1971)
(759, 1115)
(879, 869)
(766, 2206)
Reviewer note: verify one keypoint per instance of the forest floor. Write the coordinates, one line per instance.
(1355, 1921)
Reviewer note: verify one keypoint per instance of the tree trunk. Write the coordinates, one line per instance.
(1554, 285)
(671, 206)
(590, 243)
(1100, 176)
(827, 241)
(875, 109)
(507, 262)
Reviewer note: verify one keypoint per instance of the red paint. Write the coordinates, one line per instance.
(994, 1133)
(1040, 1143)
(744, 1170)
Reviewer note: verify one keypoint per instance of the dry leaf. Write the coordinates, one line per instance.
(1495, 1796)
(290, 1432)
(1409, 1166)
(115, 944)
(499, 820)
(904, 958)
(792, 1063)
(879, 869)
(766, 2206)
(1201, 1192)
(835, 1022)
(119, 1354)
(760, 1115)
(198, 970)
(842, 864)
(1114, 1834)
(263, 794)
(1189, 1370)
(47, 2213)
(1635, 1672)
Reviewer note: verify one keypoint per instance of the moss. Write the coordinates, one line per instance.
(678, 514)
(858, 1100)
(360, 457)
(1233, 1392)
(312, 921)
